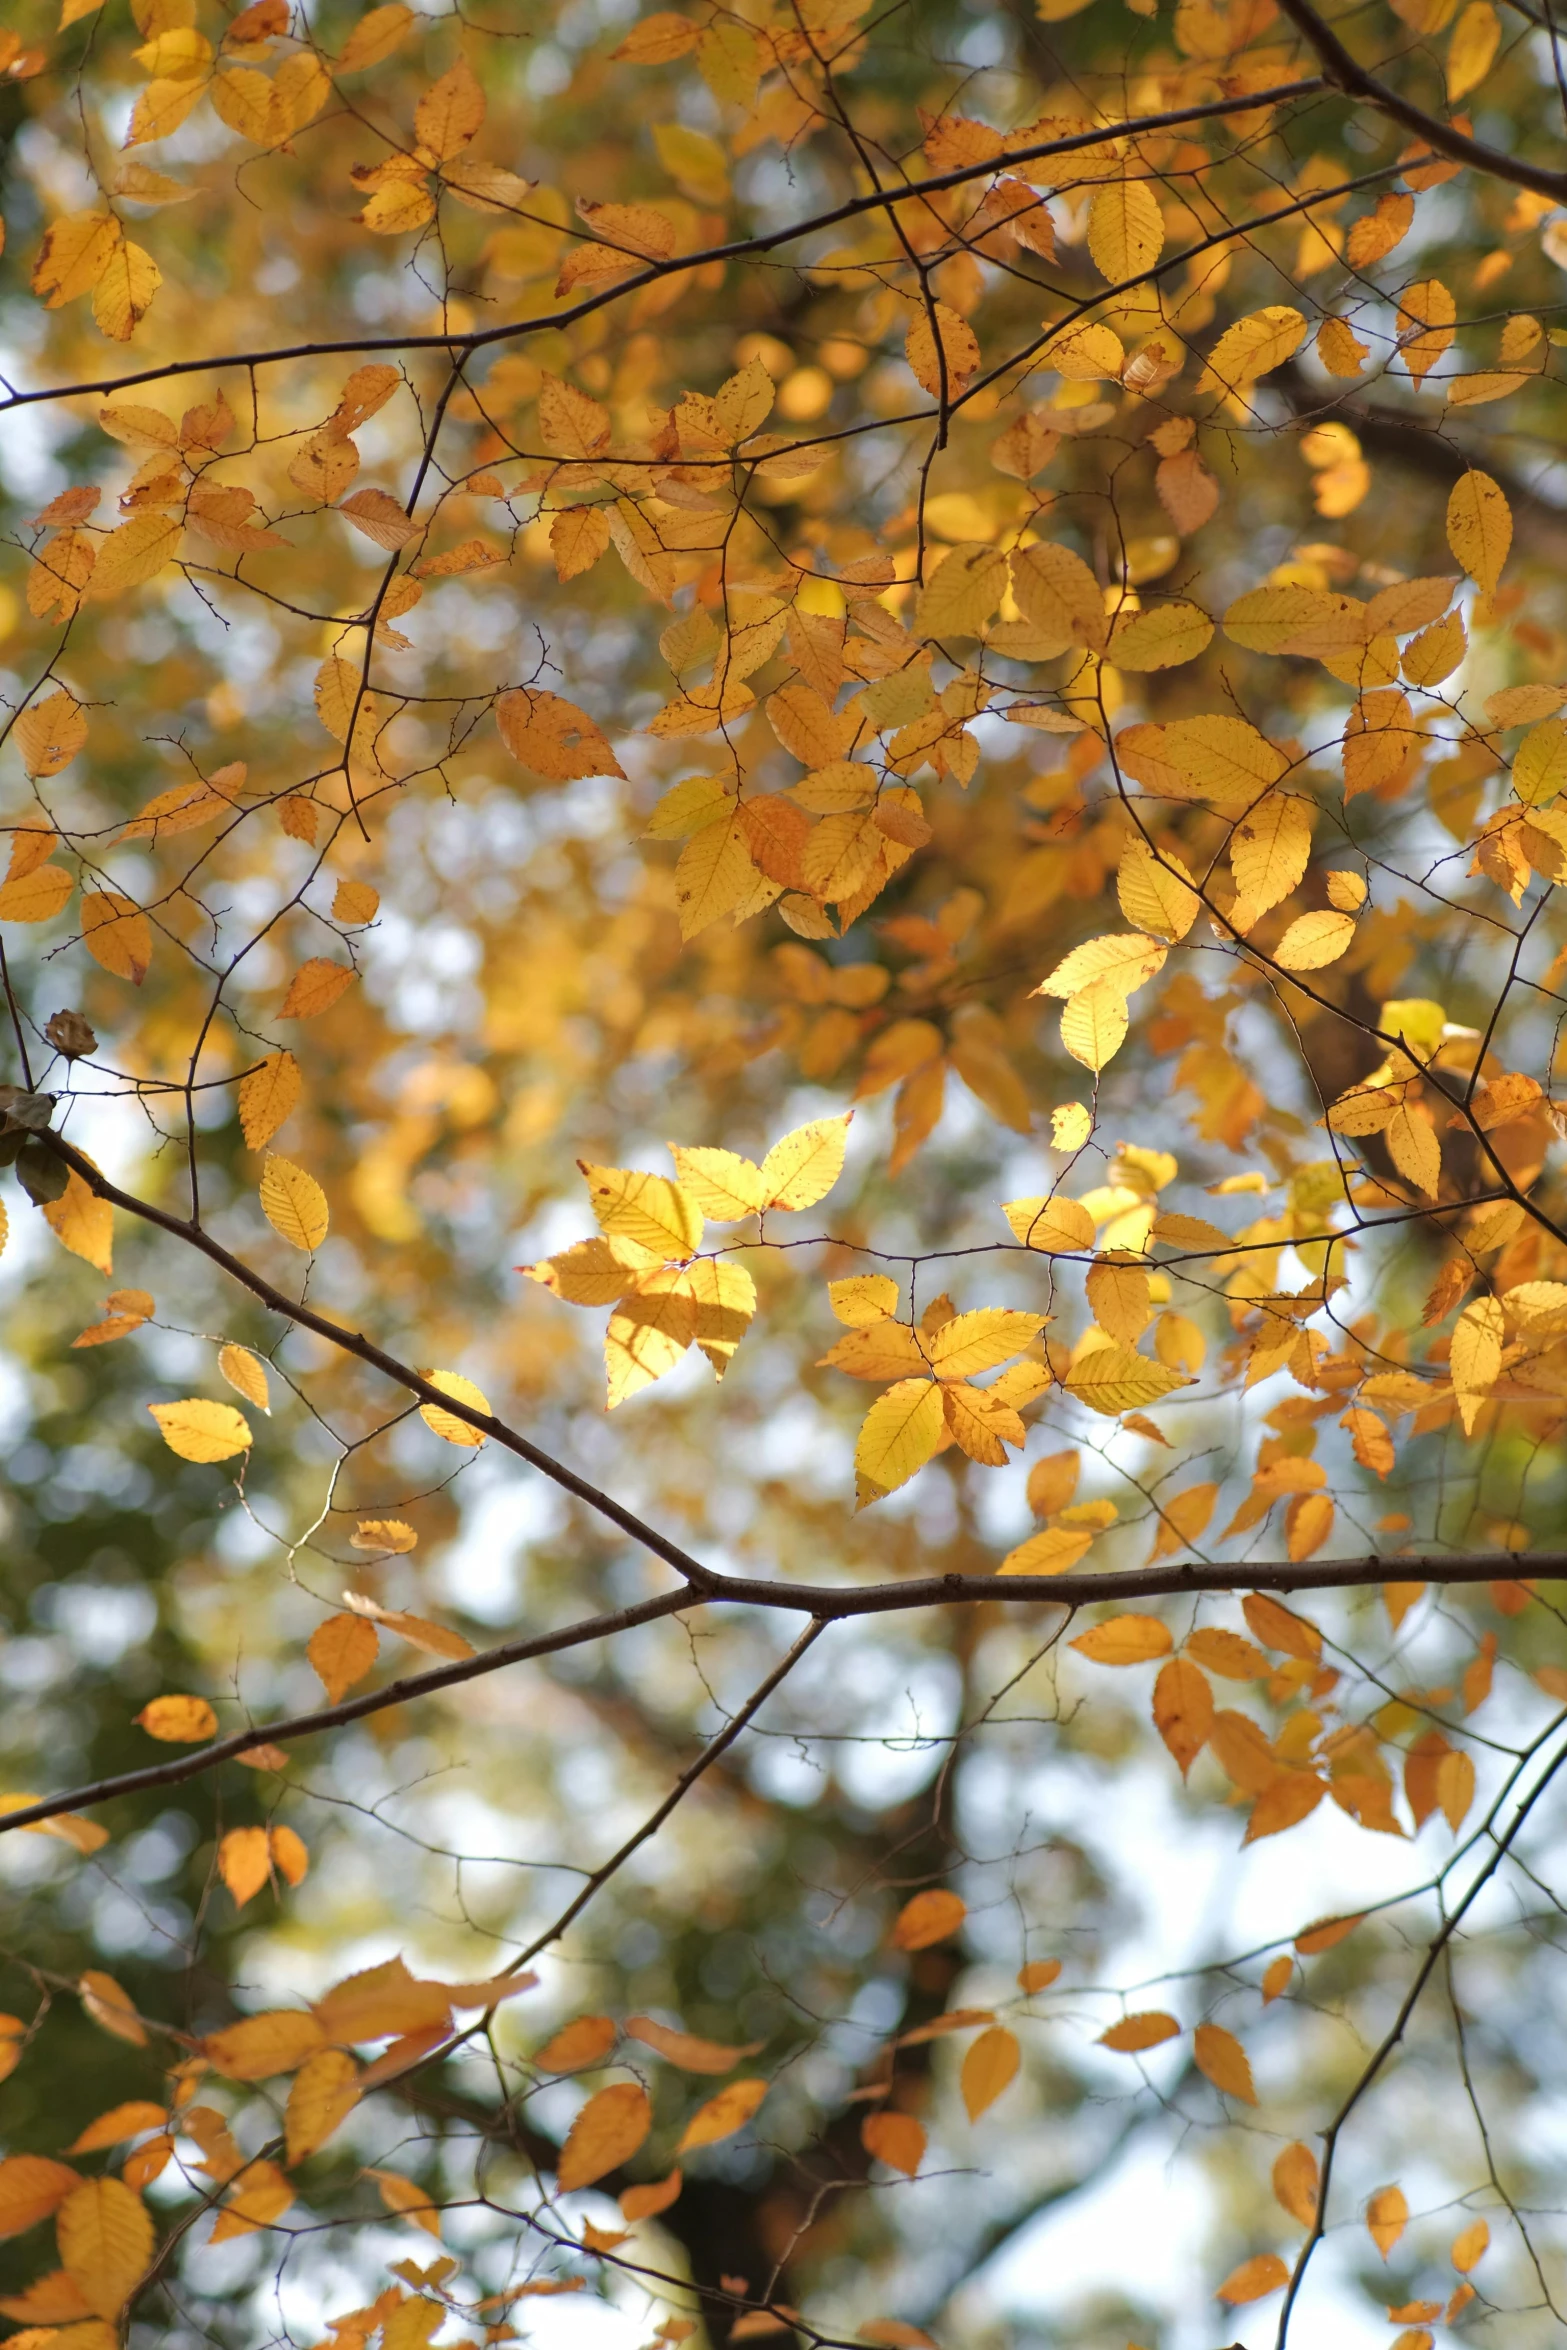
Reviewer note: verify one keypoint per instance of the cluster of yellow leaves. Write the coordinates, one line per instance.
(646, 1263)
(933, 1363)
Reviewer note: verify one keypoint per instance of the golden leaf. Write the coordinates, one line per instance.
(324, 2093)
(896, 2139)
(295, 1206)
(1221, 2057)
(990, 2065)
(1387, 2216)
(266, 1097)
(722, 2115)
(446, 1424)
(341, 1651)
(202, 1431)
(1124, 1640)
(106, 2239)
(927, 1918)
(183, 1720)
(606, 2133)
(1134, 2033)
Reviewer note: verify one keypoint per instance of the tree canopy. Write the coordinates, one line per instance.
(786, 1246)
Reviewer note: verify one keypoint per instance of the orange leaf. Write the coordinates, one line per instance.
(989, 2066)
(606, 2133)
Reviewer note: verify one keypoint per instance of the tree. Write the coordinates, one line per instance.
(738, 681)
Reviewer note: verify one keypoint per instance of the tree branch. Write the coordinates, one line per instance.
(827, 1603)
(1341, 72)
(737, 249)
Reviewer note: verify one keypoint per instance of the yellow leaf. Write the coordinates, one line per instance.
(1340, 350)
(245, 1375)
(450, 113)
(341, 1651)
(355, 902)
(181, 1720)
(1058, 1226)
(446, 1424)
(378, 516)
(693, 2055)
(106, 2240)
(380, 2002)
(1086, 353)
(722, 1185)
(1479, 527)
(1455, 1787)
(646, 1209)
(648, 1333)
(289, 1855)
(124, 291)
(989, 2066)
(1314, 940)
(1055, 1552)
(376, 36)
(896, 2139)
(73, 256)
(31, 2187)
(1469, 2246)
(1134, 2033)
(1182, 1710)
(36, 895)
(266, 1098)
(1125, 229)
(897, 1437)
(1269, 852)
(722, 2115)
(1278, 1627)
(1119, 1297)
(261, 2045)
(1155, 893)
(1222, 2058)
(314, 988)
(119, 2123)
(958, 350)
(1415, 1151)
(1254, 2280)
(117, 934)
(1094, 1023)
(1161, 638)
(585, 2041)
(961, 594)
(1122, 961)
(202, 1431)
(927, 1918)
(1114, 1379)
(259, 2195)
(401, 2196)
(111, 2008)
(1387, 2216)
(294, 1204)
(50, 733)
(606, 2133)
(863, 1299)
(553, 737)
(980, 1341)
(1125, 1640)
(1253, 347)
(1295, 2178)
(384, 1534)
(83, 1223)
(245, 1862)
(579, 535)
(134, 553)
(1038, 1975)
(324, 2093)
(723, 1295)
